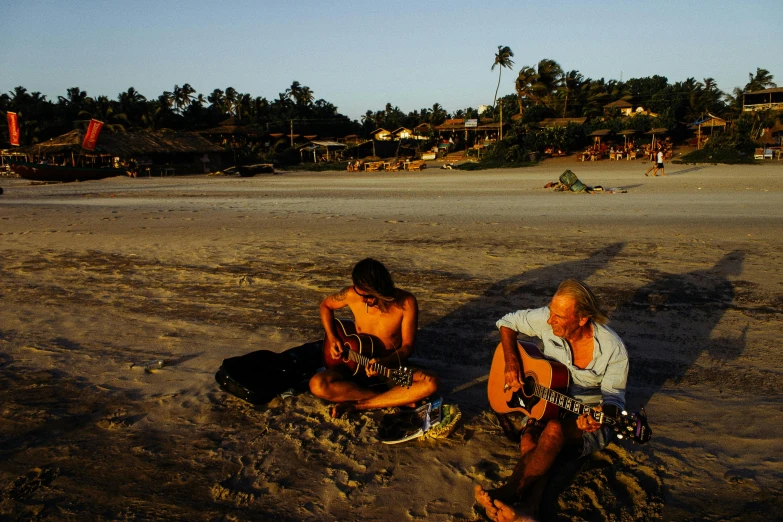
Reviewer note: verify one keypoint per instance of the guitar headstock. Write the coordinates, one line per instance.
(402, 376)
(631, 426)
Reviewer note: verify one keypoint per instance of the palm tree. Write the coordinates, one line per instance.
(762, 80)
(438, 114)
(244, 102)
(293, 93)
(550, 78)
(20, 96)
(710, 98)
(217, 101)
(132, 104)
(524, 83)
(231, 99)
(503, 59)
(572, 82)
(733, 102)
(306, 96)
(166, 100)
(182, 96)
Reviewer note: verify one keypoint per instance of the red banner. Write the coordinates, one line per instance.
(13, 128)
(91, 138)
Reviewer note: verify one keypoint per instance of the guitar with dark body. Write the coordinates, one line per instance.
(543, 394)
(359, 349)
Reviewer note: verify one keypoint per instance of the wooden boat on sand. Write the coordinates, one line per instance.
(53, 173)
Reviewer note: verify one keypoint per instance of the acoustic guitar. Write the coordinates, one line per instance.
(543, 394)
(359, 349)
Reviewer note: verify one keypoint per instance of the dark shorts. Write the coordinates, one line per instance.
(660, 165)
(591, 442)
(596, 441)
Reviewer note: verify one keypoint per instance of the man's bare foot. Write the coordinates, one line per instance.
(343, 408)
(486, 502)
(505, 513)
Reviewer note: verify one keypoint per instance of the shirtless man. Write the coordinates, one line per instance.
(391, 315)
(573, 331)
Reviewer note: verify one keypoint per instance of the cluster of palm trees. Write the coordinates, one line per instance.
(182, 108)
(547, 90)
(541, 90)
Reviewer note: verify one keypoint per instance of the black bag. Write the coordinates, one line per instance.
(258, 377)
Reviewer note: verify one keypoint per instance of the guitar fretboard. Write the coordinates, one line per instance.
(566, 402)
(365, 361)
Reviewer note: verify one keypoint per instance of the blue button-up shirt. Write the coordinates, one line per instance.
(603, 380)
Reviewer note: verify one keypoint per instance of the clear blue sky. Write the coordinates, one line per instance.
(359, 55)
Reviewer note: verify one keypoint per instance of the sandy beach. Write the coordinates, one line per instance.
(99, 275)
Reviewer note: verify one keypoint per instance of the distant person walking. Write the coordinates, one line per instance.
(657, 165)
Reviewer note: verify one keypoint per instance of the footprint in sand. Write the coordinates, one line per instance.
(35, 479)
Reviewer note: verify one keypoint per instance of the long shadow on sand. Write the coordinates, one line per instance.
(674, 317)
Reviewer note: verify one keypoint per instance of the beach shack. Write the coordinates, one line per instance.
(422, 131)
(147, 152)
(232, 133)
(322, 150)
(381, 135)
(764, 100)
(401, 133)
(625, 108)
(700, 126)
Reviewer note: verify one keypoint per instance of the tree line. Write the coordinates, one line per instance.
(542, 90)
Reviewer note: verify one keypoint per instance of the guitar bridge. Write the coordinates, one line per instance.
(516, 401)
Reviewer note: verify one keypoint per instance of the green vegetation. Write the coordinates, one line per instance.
(544, 90)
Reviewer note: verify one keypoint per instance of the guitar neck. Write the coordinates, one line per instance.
(363, 360)
(565, 402)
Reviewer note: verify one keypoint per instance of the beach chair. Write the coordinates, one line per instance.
(767, 153)
(758, 154)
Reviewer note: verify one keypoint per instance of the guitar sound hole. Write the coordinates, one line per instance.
(529, 386)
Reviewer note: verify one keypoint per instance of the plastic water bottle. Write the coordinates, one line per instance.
(155, 364)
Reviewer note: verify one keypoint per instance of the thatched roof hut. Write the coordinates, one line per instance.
(188, 151)
(128, 144)
(625, 108)
(620, 104)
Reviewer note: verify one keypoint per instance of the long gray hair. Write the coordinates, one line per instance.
(586, 302)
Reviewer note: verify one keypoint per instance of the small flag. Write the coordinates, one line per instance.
(13, 128)
(91, 138)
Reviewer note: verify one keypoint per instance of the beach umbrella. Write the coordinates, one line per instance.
(600, 133)
(660, 130)
(765, 139)
(625, 133)
(776, 129)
